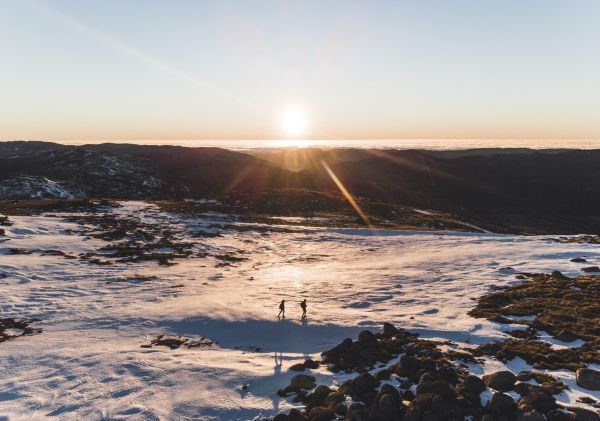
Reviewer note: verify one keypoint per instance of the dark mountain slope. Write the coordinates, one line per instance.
(520, 190)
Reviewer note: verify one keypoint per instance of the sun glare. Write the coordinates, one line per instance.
(294, 122)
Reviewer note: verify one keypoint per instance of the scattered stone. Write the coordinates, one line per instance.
(588, 401)
(539, 399)
(589, 269)
(578, 260)
(583, 414)
(500, 380)
(566, 335)
(588, 378)
(389, 330)
(309, 363)
(502, 404)
(297, 384)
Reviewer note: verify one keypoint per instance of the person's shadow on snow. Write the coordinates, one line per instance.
(276, 373)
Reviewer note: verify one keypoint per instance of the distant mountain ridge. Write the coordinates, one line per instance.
(556, 191)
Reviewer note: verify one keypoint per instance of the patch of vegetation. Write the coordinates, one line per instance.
(579, 239)
(566, 308)
(36, 207)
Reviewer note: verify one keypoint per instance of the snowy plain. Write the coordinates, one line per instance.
(88, 361)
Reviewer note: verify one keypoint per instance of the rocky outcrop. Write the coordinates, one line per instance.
(425, 384)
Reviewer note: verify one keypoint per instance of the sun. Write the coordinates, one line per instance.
(294, 122)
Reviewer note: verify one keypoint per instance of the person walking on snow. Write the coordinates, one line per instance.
(303, 306)
(281, 309)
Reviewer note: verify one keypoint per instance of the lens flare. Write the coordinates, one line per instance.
(347, 194)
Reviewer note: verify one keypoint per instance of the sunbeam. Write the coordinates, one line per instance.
(346, 194)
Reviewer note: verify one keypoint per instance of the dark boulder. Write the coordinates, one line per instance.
(389, 330)
(302, 381)
(501, 404)
(437, 387)
(321, 414)
(588, 379)
(583, 414)
(558, 275)
(566, 335)
(296, 415)
(473, 385)
(387, 405)
(539, 399)
(366, 337)
(297, 367)
(501, 381)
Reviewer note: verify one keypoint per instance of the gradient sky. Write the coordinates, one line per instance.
(132, 70)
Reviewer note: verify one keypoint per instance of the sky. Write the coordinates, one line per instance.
(118, 70)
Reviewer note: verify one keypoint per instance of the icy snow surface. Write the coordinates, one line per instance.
(88, 361)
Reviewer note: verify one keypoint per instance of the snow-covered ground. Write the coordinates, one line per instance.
(88, 362)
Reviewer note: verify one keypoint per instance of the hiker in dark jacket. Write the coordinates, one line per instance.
(303, 306)
(281, 309)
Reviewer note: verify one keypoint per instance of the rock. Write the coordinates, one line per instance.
(560, 415)
(303, 381)
(588, 379)
(409, 363)
(389, 330)
(582, 414)
(558, 275)
(387, 405)
(539, 399)
(445, 408)
(357, 412)
(317, 398)
(437, 387)
(530, 415)
(281, 417)
(321, 414)
(473, 385)
(296, 415)
(362, 383)
(297, 367)
(500, 380)
(566, 335)
(388, 408)
(367, 337)
(310, 363)
(501, 404)
(589, 269)
(335, 398)
(578, 260)
(341, 409)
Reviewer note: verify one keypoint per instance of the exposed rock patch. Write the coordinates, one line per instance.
(423, 385)
(177, 342)
(12, 328)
